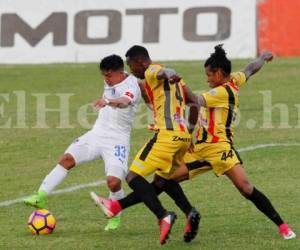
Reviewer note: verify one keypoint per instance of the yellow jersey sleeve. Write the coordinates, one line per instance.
(238, 78)
(216, 98)
(151, 74)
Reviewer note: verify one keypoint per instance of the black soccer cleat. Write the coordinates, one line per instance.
(192, 225)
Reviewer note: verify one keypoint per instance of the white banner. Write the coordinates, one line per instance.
(48, 31)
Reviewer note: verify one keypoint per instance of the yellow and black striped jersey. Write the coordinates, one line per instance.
(167, 99)
(217, 119)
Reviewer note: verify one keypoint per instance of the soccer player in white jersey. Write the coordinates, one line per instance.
(108, 139)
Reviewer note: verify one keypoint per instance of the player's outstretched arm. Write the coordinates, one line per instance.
(190, 97)
(168, 74)
(121, 102)
(257, 64)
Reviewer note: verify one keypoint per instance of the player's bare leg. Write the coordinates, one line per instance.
(181, 174)
(238, 177)
(51, 181)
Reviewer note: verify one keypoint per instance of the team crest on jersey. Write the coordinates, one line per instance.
(213, 92)
(152, 69)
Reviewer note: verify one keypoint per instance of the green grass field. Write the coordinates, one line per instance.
(228, 220)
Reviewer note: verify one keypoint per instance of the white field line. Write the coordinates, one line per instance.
(102, 182)
(259, 146)
(59, 191)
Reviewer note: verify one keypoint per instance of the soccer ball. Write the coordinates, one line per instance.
(41, 222)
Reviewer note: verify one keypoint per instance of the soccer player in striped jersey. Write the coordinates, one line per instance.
(214, 149)
(164, 152)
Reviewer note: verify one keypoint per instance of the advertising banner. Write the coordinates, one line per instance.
(44, 31)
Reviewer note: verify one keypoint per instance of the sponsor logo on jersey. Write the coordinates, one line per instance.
(177, 138)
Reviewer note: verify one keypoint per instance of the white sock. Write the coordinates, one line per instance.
(117, 195)
(53, 179)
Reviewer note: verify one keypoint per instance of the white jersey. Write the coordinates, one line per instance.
(117, 122)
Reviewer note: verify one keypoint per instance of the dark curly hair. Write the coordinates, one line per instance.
(112, 62)
(218, 60)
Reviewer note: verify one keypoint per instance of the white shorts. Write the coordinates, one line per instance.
(90, 146)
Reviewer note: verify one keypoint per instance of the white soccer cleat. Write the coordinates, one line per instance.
(103, 203)
(286, 232)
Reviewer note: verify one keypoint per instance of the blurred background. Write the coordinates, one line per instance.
(43, 31)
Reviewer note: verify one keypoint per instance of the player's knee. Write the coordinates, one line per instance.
(67, 161)
(181, 178)
(113, 183)
(246, 189)
(181, 174)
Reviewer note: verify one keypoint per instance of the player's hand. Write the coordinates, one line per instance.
(267, 56)
(98, 104)
(152, 127)
(174, 78)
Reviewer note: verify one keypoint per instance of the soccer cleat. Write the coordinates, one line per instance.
(192, 225)
(110, 208)
(113, 223)
(286, 232)
(165, 225)
(37, 200)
